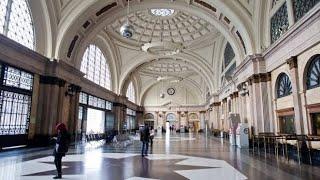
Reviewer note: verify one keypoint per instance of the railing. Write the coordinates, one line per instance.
(290, 145)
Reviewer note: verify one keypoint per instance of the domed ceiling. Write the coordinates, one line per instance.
(171, 25)
(166, 66)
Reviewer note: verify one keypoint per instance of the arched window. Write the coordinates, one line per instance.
(228, 55)
(96, 67)
(228, 63)
(313, 73)
(171, 117)
(131, 95)
(284, 87)
(16, 22)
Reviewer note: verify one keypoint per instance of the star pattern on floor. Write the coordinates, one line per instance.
(127, 167)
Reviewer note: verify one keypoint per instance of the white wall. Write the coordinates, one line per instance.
(184, 95)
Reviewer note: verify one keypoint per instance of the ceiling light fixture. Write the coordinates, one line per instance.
(127, 30)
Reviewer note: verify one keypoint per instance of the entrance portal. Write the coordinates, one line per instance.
(95, 122)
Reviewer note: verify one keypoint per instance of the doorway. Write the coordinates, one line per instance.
(95, 121)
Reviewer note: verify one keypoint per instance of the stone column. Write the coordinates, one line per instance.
(224, 115)
(139, 119)
(179, 119)
(119, 111)
(260, 101)
(164, 120)
(187, 118)
(202, 120)
(236, 102)
(33, 114)
(216, 115)
(298, 119)
(49, 109)
(157, 119)
(71, 108)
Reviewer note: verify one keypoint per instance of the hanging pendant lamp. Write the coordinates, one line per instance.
(127, 30)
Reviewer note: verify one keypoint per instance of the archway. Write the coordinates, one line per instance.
(170, 122)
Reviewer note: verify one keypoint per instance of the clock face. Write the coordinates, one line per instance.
(171, 91)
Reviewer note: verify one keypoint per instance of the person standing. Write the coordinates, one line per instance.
(61, 147)
(144, 138)
(151, 135)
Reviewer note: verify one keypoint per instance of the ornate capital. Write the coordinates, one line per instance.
(236, 94)
(216, 103)
(265, 77)
(292, 62)
(257, 78)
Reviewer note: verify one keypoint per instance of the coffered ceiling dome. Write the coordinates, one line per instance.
(165, 66)
(171, 25)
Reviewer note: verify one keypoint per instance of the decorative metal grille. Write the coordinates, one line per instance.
(83, 98)
(228, 55)
(14, 113)
(279, 23)
(93, 101)
(17, 78)
(284, 87)
(16, 22)
(108, 105)
(131, 112)
(95, 66)
(301, 7)
(131, 93)
(313, 73)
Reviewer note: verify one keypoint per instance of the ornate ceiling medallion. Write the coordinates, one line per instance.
(162, 48)
(162, 12)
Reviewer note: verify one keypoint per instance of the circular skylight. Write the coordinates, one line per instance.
(162, 12)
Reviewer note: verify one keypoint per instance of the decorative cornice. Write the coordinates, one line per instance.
(292, 62)
(258, 78)
(52, 80)
(116, 104)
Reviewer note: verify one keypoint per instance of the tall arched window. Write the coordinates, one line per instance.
(228, 63)
(131, 95)
(16, 22)
(284, 87)
(313, 73)
(96, 67)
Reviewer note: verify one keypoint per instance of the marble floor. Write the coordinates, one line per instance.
(172, 157)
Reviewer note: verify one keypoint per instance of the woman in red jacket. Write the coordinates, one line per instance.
(61, 147)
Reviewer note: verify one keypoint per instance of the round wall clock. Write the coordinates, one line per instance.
(171, 91)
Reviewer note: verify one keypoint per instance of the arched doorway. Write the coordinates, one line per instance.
(149, 119)
(170, 121)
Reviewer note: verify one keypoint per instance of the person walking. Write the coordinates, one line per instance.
(144, 138)
(61, 147)
(151, 136)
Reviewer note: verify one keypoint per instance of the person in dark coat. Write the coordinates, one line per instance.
(144, 138)
(61, 147)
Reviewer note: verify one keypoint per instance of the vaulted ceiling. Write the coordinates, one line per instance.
(184, 42)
